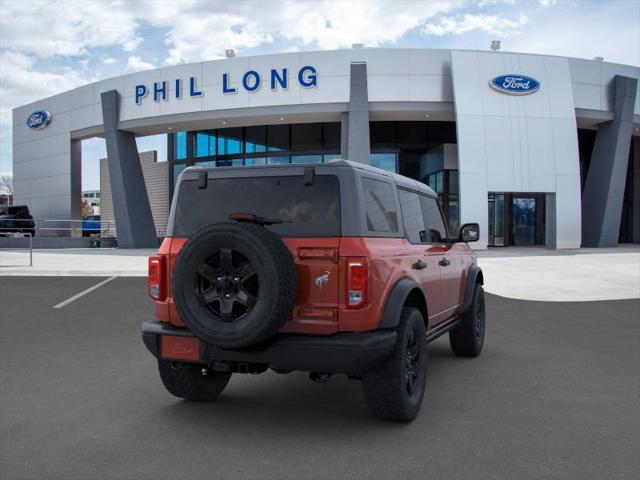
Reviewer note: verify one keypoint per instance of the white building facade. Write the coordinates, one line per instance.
(536, 149)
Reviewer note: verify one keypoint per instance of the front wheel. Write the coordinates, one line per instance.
(192, 381)
(394, 390)
(467, 338)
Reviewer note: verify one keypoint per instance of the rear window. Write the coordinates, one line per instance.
(307, 210)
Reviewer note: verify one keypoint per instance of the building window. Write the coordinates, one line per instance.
(205, 144)
(177, 170)
(385, 161)
(278, 138)
(209, 164)
(306, 137)
(180, 146)
(230, 141)
(331, 137)
(255, 139)
(278, 160)
(258, 145)
(306, 159)
(255, 161)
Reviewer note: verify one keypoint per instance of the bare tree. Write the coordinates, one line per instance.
(86, 209)
(6, 184)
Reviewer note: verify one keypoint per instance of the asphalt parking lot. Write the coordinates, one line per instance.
(554, 395)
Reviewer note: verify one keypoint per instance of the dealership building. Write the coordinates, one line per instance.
(539, 150)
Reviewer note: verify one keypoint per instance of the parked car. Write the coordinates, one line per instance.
(91, 225)
(330, 268)
(17, 219)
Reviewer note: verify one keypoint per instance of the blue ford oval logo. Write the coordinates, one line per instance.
(38, 120)
(515, 84)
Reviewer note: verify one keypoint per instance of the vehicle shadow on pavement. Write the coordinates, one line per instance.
(289, 404)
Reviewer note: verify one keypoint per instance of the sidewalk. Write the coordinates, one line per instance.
(86, 262)
(521, 273)
(584, 274)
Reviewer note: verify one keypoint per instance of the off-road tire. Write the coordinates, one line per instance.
(385, 386)
(192, 381)
(467, 338)
(275, 271)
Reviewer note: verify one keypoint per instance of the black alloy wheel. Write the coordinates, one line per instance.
(412, 363)
(234, 284)
(228, 285)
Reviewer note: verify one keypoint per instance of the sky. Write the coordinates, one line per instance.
(47, 47)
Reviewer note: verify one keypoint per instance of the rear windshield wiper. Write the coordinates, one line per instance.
(258, 220)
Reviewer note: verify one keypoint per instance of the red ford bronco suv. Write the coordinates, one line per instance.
(327, 268)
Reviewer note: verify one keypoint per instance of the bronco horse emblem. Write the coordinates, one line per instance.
(323, 279)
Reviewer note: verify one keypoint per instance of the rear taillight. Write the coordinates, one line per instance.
(156, 281)
(357, 282)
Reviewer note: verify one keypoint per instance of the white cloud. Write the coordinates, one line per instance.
(22, 83)
(108, 61)
(46, 29)
(135, 64)
(203, 30)
(584, 34)
(491, 24)
(547, 3)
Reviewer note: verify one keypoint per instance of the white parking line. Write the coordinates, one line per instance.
(84, 292)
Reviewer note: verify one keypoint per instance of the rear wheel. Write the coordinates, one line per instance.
(192, 381)
(394, 390)
(467, 338)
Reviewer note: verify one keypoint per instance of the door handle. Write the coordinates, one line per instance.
(419, 265)
(444, 262)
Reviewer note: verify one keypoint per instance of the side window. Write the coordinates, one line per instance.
(436, 232)
(380, 207)
(412, 217)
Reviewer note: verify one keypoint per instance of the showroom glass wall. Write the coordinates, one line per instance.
(407, 148)
(256, 145)
(399, 147)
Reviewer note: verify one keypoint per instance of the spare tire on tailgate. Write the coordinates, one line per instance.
(234, 284)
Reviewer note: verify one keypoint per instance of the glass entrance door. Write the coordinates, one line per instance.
(523, 214)
(496, 220)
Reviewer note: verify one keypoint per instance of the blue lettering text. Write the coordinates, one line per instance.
(192, 88)
(307, 76)
(157, 90)
(225, 84)
(141, 91)
(275, 77)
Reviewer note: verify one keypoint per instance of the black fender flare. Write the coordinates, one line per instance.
(473, 276)
(396, 300)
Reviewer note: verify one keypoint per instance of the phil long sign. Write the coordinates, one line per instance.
(251, 81)
(515, 84)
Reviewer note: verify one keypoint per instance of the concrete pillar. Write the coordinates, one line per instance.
(75, 155)
(344, 135)
(604, 187)
(131, 208)
(358, 144)
(636, 190)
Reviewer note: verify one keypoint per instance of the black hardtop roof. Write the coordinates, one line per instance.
(400, 180)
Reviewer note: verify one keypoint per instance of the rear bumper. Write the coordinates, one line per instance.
(339, 353)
